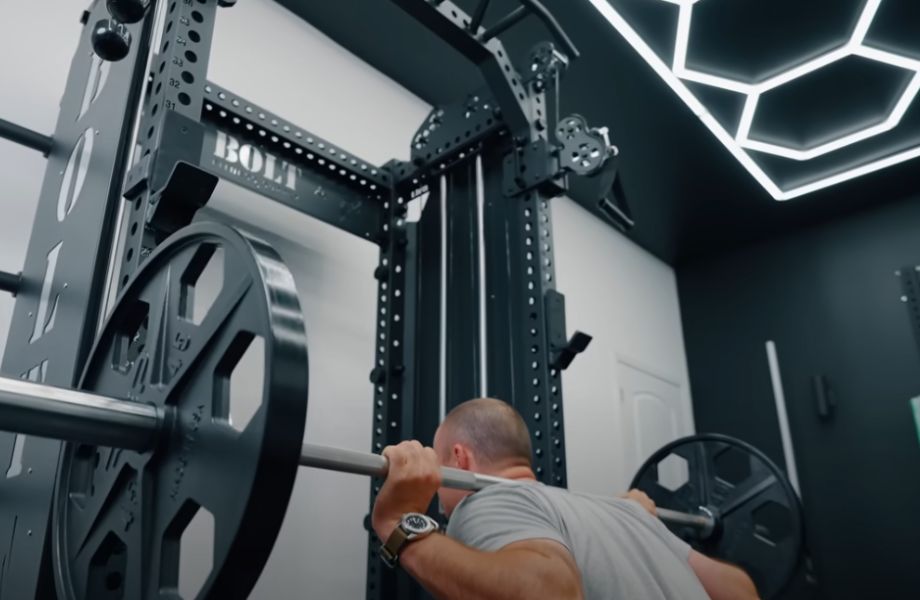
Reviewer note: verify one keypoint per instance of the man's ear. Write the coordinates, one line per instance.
(462, 456)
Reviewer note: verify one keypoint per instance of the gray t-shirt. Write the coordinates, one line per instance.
(622, 551)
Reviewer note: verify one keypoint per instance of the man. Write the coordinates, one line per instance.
(527, 540)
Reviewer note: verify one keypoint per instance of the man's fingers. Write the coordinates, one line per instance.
(434, 466)
(397, 458)
(411, 458)
(643, 499)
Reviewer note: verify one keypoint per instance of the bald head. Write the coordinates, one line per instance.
(492, 429)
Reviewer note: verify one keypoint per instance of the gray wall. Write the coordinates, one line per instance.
(615, 291)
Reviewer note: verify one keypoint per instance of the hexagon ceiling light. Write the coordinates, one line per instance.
(748, 150)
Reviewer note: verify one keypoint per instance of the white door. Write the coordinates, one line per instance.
(651, 416)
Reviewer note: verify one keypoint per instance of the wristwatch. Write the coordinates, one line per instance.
(412, 526)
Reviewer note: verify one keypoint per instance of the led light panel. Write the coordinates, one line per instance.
(739, 142)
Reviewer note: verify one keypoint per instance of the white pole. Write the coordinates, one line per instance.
(481, 251)
(782, 417)
(442, 363)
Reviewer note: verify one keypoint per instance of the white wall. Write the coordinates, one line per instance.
(615, 291)
(30, 100)
(324, 89)
(627, 299)
(321, 87)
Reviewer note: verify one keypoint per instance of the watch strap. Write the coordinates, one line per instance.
(399, 537)
(389, 550)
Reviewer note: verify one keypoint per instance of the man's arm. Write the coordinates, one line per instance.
(536, 568)
(722, 581)
(526, 570)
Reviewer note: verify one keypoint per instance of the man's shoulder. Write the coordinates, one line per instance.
(512, 488)
(522, 495)
(506, 512)
(510, 494)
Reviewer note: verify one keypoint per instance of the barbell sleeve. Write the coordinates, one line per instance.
(704, 523)
(46, 411)
(42, 410)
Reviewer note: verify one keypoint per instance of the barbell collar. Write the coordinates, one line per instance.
(704, 522)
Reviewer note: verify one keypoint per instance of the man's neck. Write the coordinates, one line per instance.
(516, 473)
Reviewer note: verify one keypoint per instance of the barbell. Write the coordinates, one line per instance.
(150, 439)
(75, 416)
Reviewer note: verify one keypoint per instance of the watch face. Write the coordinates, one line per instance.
(416, 523)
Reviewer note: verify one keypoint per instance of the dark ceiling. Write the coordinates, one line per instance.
(689, 196)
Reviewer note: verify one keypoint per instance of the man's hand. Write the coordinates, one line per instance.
(643, 499)
(413, 478)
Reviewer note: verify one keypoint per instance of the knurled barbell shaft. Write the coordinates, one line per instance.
(375, 465)
(51, 412)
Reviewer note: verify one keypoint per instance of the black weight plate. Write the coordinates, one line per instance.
(119, 515)
(759, 514)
